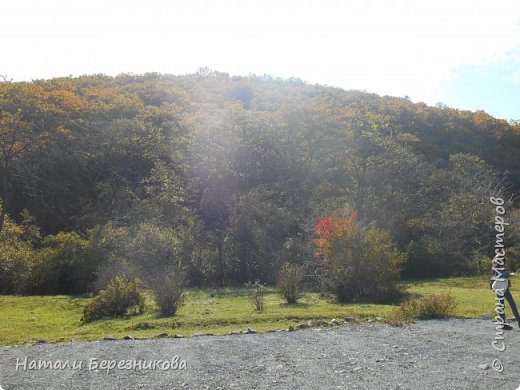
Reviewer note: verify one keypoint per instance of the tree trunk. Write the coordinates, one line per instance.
(5, 195)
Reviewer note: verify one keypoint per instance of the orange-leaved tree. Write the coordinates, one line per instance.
(359, 263)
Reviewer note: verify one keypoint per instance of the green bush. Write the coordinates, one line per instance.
(70, 263)
(121, 297)
(428, 307)
(16, 258)
(107, 252)
(62, 266)
(290, 283)
(436, 306)
(168, 289)
(109, 271)
(360, 264)
(153, 247)
(256, 293)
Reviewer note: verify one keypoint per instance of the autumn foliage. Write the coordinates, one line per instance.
(359, 264)
(330, 228)
(220, 173)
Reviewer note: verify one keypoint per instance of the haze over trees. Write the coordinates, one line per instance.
(226, 177)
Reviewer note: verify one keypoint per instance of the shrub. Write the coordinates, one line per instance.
(70, 263)
(121, 297)
(153, 247)
(168, 289)
(16, 258)
(428, 307)
(400, 315)
(62, 266)
(256, 293)
(107, 252)
(359, 264)
(436, 306)
(290, 282)
(111, 270)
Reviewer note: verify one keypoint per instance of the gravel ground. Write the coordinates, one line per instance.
(441, 354)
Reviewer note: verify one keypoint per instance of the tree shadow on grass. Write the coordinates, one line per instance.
(223, 292)
(407, 295)
(298, 305)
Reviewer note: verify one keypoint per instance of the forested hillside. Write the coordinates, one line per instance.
(227, 177)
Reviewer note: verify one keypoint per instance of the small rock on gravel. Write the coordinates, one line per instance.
(483, 366)
(110, 338)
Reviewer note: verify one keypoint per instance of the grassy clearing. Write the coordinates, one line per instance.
(57, 318)
(472, 293)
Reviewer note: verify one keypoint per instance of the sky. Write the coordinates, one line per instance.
(463, 53)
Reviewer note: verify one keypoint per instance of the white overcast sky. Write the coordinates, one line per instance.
(465, 53)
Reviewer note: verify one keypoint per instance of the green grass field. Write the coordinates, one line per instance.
(218, 311)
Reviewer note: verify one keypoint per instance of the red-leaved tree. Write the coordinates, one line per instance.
(359, 264)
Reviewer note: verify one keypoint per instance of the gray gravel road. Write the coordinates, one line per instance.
(427, 355)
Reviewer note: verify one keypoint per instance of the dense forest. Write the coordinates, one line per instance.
(227, 178)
